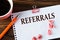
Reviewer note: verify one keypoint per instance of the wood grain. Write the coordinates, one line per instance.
(21, 5)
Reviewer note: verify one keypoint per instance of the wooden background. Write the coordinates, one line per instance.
(20, 5)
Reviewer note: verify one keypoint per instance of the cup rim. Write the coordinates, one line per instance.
(11, 4)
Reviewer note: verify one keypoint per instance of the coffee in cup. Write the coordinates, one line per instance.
(5, 8)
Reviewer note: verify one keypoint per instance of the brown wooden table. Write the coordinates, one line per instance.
(20, 5)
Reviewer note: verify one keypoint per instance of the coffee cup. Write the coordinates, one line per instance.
(6, 7)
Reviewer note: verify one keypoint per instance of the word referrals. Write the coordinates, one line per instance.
(37, 18)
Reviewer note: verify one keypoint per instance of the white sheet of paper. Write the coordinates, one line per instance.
(29, 30)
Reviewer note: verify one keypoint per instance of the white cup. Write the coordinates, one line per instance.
(9, 12)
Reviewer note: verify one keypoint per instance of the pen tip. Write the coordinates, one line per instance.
(17, 15)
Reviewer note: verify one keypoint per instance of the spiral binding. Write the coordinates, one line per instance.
(14, 29)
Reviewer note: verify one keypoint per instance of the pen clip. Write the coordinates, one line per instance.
(35, 9)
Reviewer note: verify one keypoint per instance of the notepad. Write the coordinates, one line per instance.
(37, 24)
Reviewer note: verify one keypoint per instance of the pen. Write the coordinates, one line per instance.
(8, 27)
